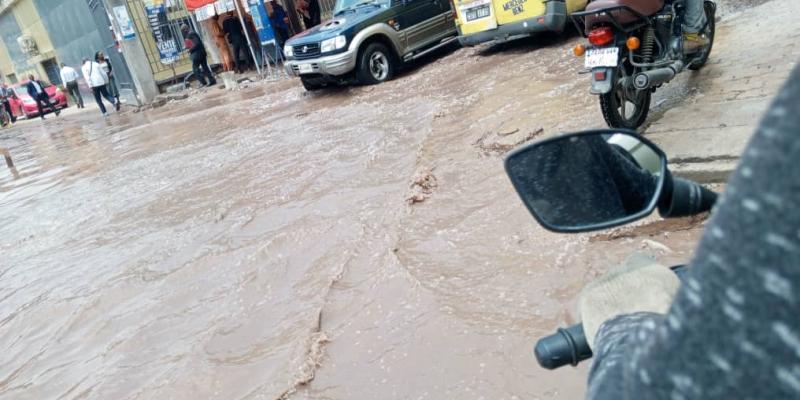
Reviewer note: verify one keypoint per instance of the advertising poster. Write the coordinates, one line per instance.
(124, 22)
(165, 41)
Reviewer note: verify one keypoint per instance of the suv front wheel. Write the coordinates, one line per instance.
(375, 64)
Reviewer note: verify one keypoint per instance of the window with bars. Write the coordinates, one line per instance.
(166, 28)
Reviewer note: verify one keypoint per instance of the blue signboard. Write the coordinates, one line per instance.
(261, 20)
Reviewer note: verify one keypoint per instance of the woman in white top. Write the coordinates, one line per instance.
(101, 59)
(97, 79)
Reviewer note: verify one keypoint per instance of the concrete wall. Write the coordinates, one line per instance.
(12, 58)
(72, 29)
(30, 24)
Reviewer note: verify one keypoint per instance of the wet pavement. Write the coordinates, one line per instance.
(356, 243)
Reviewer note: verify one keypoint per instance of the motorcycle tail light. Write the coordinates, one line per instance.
(601, 36)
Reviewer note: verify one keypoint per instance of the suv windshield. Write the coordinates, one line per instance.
(344, 5)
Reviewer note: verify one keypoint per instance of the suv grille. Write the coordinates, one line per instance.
(305, 51)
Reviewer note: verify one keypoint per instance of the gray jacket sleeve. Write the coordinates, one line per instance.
(733, 331)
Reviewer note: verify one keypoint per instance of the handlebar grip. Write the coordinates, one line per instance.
(566, 346)
(569, 346)
(687, 198)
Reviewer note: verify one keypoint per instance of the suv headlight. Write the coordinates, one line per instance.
(332, 44)
(288, 51)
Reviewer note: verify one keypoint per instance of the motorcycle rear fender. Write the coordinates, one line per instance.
(602, 86)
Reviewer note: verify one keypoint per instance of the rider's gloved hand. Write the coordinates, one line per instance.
(639, 285)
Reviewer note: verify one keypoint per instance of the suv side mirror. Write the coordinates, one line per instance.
(589, 180)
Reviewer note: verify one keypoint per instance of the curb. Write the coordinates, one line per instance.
(705, 172)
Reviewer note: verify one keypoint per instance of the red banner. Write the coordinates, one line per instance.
(195, 4)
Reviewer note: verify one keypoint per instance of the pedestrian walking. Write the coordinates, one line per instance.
(39, 95)
(233, 31)
(96, 78)
(111, 82)
(70, 79)
(197, 53)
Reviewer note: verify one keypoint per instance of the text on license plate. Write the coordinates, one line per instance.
(305, 68)
(606, 57)
(477, 12)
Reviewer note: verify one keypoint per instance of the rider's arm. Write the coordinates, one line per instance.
(733, 329)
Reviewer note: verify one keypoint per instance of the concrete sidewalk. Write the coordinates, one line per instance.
(706, 121)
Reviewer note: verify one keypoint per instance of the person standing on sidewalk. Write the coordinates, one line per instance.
(39, 95)
(96, 79)
(314, 12)
(233, 31)
(309, 10)
(105, 64)
(197, 53)
(279, 20)
(70, 79)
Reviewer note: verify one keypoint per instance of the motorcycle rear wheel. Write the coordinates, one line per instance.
(711, 28)
(625, 110)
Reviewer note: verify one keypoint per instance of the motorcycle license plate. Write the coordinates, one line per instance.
(305, 68)
(607, 57)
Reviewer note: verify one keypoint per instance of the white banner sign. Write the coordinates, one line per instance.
(205, 12)
(224, 6)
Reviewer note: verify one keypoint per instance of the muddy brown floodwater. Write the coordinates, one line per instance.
(273, 244)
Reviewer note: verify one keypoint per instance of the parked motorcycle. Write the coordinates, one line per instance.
(635, 46)
(5, 118)
(594, 180)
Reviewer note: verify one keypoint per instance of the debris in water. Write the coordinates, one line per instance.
(500, 143)
(653, 245)
(422, 186)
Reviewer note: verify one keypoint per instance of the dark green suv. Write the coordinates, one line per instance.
(367, 40)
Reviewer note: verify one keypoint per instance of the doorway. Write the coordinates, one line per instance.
(50, 68)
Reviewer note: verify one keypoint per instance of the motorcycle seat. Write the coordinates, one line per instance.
(643, 7)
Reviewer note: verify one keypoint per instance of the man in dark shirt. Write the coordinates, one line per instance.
(233, 31)
(314, 11)
(198, 55)
(39, 95)
(279, 21)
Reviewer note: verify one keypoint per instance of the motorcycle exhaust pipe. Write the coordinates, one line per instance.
(649, 79)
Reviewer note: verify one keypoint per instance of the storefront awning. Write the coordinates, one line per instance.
(195, 4)
(221, 6)
(205, 9)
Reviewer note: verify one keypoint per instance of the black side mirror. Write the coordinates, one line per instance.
(589, 181)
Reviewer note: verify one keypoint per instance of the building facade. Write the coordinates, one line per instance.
(26, 47)
(36, 36)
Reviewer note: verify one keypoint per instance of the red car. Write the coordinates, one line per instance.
(23, 103)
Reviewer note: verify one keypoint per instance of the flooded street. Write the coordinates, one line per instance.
(356, 243)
